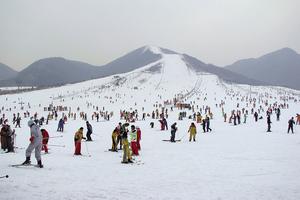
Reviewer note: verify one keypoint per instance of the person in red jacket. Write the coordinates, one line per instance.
(139, 133)
(45, 135)
(162, 125)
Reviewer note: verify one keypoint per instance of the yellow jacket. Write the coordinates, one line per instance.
(193, 130)
(78, 136)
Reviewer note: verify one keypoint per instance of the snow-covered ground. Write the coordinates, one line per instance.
(231, 162)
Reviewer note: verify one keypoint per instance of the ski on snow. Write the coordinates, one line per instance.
(24, 166)
(170, 140)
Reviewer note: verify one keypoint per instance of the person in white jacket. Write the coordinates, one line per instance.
(35, 144)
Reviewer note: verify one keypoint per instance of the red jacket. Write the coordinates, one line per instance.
(45, 136)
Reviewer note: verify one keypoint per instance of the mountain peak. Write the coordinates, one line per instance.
(153, 49)
(282, 52)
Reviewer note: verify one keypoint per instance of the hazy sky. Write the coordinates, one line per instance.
(98, 31)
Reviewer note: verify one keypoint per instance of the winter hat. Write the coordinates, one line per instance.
(30, 123)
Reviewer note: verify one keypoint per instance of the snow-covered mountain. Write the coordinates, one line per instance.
(59, 71)
(231, 162)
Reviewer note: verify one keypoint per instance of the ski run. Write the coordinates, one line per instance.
(236, 160)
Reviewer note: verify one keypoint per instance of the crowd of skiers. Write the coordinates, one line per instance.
(127, 137)
(130, 145)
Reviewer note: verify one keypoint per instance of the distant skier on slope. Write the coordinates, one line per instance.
(173, 131)
(193, 131)
(269, 122)
(208, 124)
(89, 131)
(291, 123)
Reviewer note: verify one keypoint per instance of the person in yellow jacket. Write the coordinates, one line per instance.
(193, 131)
(77, 139)
(126, 150)
(114, 137)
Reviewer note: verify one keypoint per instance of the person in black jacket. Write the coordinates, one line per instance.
(291, 125)
(173, 131)
(255, 116)
(269, 122)
(208, 124)
(89, 131)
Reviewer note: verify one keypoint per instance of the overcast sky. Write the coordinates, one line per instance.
(98, 31)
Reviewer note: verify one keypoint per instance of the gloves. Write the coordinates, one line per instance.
(31, 139)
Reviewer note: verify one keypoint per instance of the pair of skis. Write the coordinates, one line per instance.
(170, 140)
(25, 166)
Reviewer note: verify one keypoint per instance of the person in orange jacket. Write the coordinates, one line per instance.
(77, 140)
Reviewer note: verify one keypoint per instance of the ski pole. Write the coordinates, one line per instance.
(87, 149)
(183, 137)
(6, 176)
(53, 137)
(55, 145)
(58, 136)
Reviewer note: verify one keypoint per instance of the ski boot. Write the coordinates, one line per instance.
(27, 161)
(40, 164)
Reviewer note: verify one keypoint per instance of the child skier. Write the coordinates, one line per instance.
(193, 131)
(45, 140)
(133, 141)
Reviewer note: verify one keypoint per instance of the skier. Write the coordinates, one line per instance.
(162, 125)
(173, 131)
(126, 152)
(255, 116)
(139, 135)
(18, 121)
(133, 141)
(7, 136)
(165, 123)
(298, 119)
(208, 124)
(204, 125)
(291, 123)
(193, 131)
(60, 127)
(151, 124)
(278, 113)
(269, 122)
(114, 137)
(35, 144)
(89, 131)
(45, 135)
(77, 140)
(119, 137)
(245, 118)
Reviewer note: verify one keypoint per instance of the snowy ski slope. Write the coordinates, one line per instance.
(232, 162)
